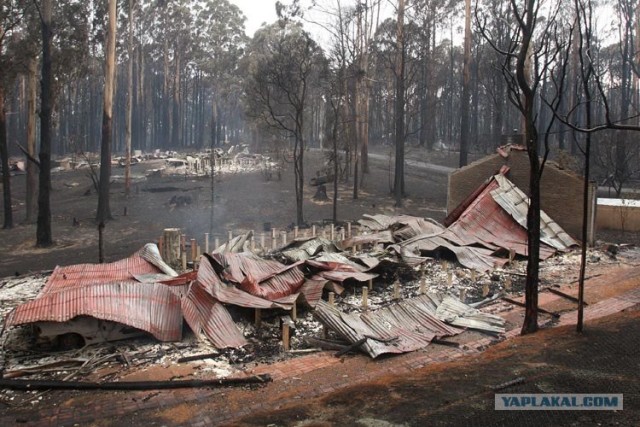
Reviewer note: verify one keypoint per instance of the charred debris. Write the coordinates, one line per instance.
(382, 285)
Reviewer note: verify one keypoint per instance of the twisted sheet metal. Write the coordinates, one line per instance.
(339, 271)
(486, 222)
(399, 328)
(229, 294)
(311, 291)
(456, 313)
(479, 259)
(151, 307)
(146, 261)
(516, 203)
(302, 249)
(209, 318)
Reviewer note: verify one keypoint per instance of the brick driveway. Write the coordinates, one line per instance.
(320, 377)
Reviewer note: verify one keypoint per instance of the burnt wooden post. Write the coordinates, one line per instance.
(287, 325)
(171, 239)
(396, 290)
(194, 250)
(295, 232)
(349, 229)
(206, 243)
(258, 318)
(365, 295)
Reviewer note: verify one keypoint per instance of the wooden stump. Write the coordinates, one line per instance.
(171, 246)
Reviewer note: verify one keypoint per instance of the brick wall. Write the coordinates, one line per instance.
(561, 190)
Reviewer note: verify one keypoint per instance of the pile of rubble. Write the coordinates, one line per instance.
(394, 285)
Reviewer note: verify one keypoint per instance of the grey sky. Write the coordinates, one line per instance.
(257, 12)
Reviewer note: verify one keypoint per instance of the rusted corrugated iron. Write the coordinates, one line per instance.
(267, 279)
(479, 259)
(302, 249)
(516, 203)
(455, 312)
(311, 291)
(209, 318)
(339, 272)
(145, 261)
(485, 222)
(147, 306)
(383, 236)
(399, 328)
(229, 294)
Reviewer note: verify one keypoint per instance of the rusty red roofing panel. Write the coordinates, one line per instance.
(263, 278)
(229, 294)
(208, 318)
(90, 274)
(487, 223)
(339, 272)
(311, 291)
(150, 307)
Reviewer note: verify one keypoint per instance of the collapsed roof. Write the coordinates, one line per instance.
(143, 292)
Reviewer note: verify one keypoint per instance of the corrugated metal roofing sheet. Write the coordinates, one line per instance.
(228, 293)
(263, 278)
(147, 306)
(302, 249)
(516, 203)
(383, 236)
(471, 257)
(145, 261)
(455, 312)
(237, 244)
(209, 318)
(399, 328)
(339, 272)
(485, 222)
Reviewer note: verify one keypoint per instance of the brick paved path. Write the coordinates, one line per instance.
(130, 405)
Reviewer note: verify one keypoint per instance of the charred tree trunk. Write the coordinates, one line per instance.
(466, 78)
(43, 232)
(104, 211)
(398, 187)
(129, 108)
(523, 78)
(4, 155)
(32, 173)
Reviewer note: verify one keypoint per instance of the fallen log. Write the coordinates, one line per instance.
(326, 344)
(198, 357)
(521, 304)
(446, 343)
(351, 347)
(563, 295)
(27, 385)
